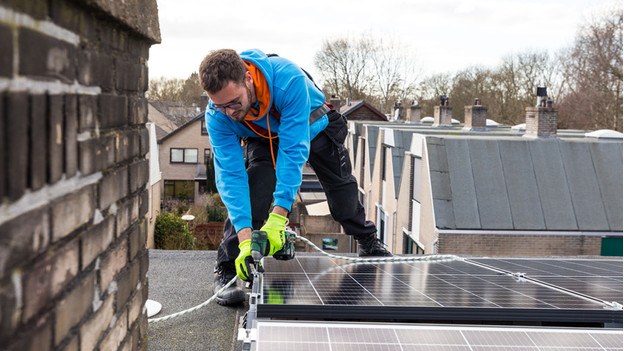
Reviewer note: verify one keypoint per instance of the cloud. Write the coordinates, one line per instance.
(447, 34)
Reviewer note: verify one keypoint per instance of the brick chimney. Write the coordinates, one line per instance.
(334, 101)
(413, 115)
(475, 116)
(443, 114)
(541, 120)
(203, 101)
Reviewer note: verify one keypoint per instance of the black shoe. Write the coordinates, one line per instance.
(371, 246)
(233, 295)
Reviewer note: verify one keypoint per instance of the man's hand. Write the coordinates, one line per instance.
(275, 227)
(244, 261)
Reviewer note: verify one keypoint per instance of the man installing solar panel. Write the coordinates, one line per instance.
(266, 118)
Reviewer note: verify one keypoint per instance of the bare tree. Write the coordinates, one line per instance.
(431, 89)
(185, 91)
(191, 90)
(512, 85)
(165, 89)
(469, 84)
(592, 71)
(343, 64)
(395, 72)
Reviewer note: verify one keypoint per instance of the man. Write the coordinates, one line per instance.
(281, 117)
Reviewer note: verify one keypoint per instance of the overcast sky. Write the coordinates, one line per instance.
(446, 35)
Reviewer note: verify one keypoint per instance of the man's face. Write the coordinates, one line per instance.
(235, 99)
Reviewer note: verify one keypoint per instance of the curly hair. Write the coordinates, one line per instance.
(219, 68)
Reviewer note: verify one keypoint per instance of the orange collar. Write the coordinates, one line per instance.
(263, 93)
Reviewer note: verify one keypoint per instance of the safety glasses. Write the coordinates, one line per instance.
(222, 109)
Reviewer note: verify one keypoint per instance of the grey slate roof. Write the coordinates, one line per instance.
(189, 122)
(359, 127)
(160, 133)
(402, 142)
(373, 133)
(525, 184)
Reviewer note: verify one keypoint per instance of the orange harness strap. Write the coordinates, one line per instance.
(263, 94)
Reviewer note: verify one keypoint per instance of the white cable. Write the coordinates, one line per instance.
(356, 259)
(203, 304)
(383, 259)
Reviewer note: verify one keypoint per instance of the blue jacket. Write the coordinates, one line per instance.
(294, 96)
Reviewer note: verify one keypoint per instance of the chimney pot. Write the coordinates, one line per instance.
(541, 94)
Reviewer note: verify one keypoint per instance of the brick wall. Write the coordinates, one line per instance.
(73, 172)
(519, 245)
(363, 114)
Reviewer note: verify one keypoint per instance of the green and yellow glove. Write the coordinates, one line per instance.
(275, 227)
(244, 261)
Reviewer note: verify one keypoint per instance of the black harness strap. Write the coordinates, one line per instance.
(314, 116)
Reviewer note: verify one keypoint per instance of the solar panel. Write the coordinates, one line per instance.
(321, 287)
(276, 336)
(598, 278)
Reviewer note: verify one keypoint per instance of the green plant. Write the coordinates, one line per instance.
(216, 200)
(216, 213)
(215, 208)
(171, 233)
(180, 209)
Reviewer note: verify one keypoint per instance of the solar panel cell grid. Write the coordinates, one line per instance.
(469, 289)
(350, 336)
(318, 280)
(610, 341)
(558, 267)
(600, 279)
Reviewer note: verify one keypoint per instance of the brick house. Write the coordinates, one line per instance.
(183, 154)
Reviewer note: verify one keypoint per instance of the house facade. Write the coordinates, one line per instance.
(183, 155)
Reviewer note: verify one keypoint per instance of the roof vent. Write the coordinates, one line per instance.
(604, 134)
(520, 127)
(491, 123)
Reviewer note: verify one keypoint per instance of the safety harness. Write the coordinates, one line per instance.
(263, 96)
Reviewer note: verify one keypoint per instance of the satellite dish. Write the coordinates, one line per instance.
(188, 217)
